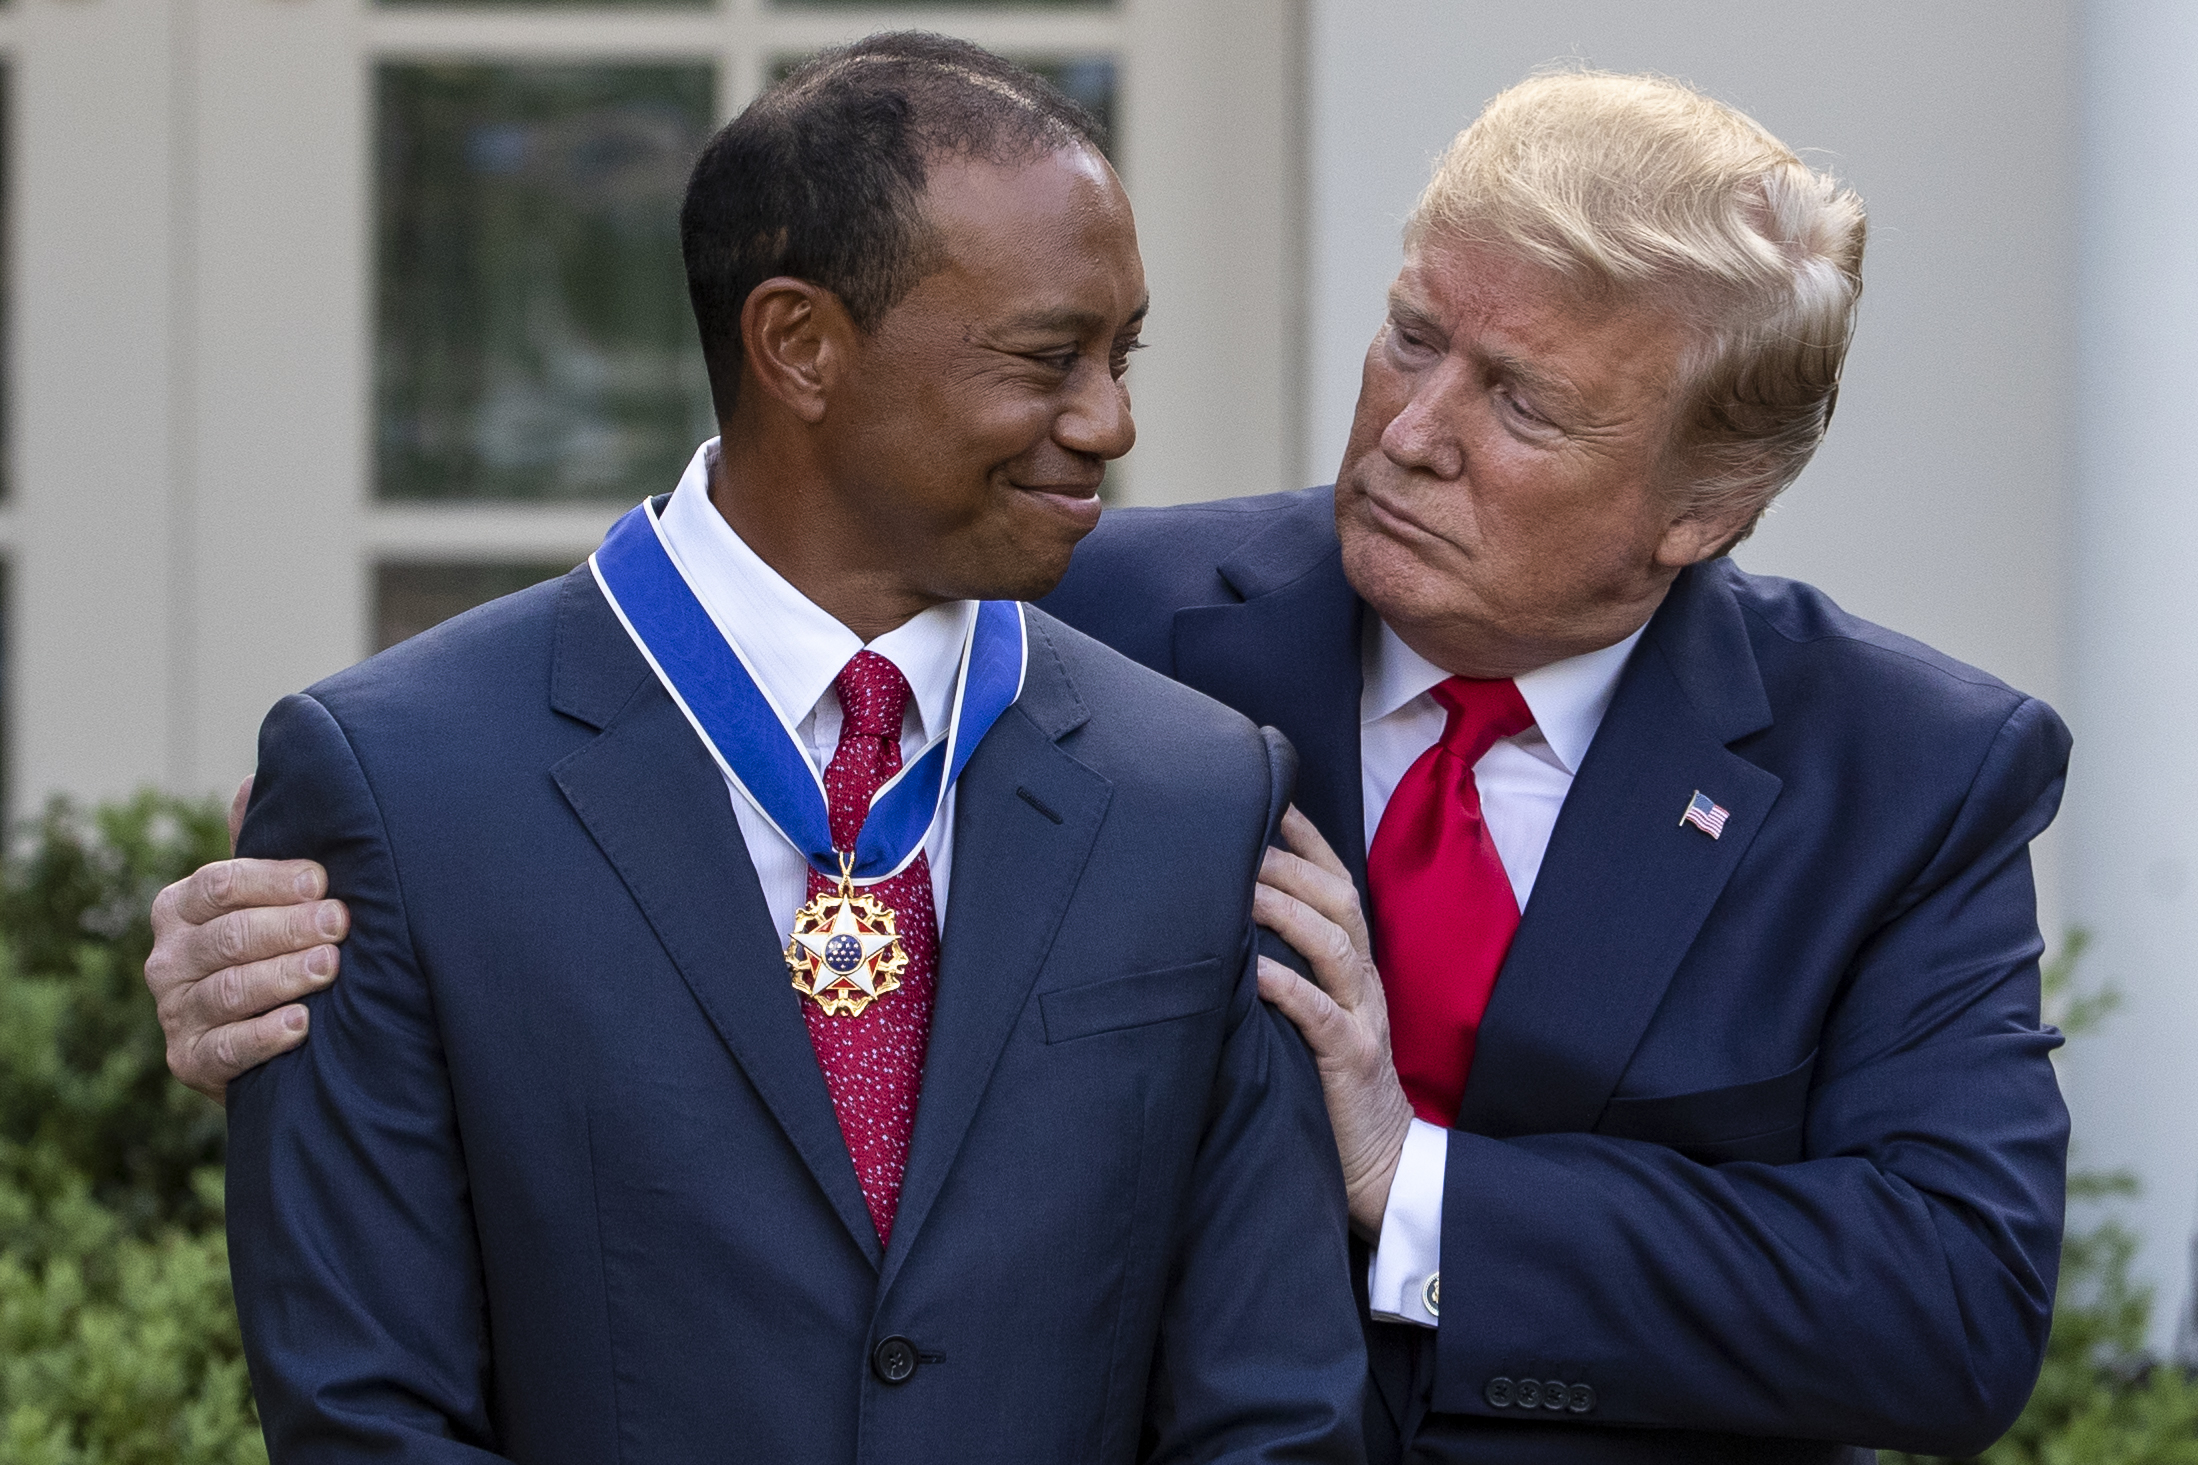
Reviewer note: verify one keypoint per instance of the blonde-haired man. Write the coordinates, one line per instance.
(1672, 943)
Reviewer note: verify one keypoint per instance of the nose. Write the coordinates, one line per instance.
(1424, 435)
(1096, 421)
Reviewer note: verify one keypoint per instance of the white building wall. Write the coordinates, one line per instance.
(2133, 797)
(1937, 504)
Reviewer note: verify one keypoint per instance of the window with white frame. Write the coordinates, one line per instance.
(532, 340)
(346, 313)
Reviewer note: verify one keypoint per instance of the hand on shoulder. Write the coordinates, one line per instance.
(235, 945)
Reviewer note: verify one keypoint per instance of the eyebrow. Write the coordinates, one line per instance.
(1075, 322)
(1512, 367)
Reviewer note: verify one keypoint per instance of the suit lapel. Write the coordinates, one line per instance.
(1025, 818)
(1287, 655)
(657, 806)
(1624, 886)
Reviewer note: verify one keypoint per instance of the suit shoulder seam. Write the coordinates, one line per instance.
(1949, 668)
(389, 846)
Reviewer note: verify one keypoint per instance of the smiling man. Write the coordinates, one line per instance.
(673, 1106)
(1674, 949)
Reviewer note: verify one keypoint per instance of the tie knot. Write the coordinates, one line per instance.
(1480, 713)
(873, 697)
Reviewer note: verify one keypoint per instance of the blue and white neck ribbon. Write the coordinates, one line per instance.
(752, 738)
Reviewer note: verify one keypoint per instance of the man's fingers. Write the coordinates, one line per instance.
(242, 937)
(236, 810)
(1329, 892)
(1325, 1026)
(239, 992)
(1304, 840)
(1325, 946)
(217, 1057)
(234, 885)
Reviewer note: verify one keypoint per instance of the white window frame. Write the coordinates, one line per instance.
(193, 526)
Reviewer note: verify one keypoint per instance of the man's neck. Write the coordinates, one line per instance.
(800, 536)
(1483, 656)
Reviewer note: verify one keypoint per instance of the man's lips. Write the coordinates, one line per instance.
(1078, 502)
(1392, 516)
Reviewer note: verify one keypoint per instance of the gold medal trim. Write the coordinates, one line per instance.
(845, 951)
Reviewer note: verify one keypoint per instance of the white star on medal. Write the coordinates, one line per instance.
(844, 951)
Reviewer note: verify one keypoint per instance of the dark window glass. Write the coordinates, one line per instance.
(410, 598)
(533, 333)
(1088, 81)
(936, 4)
(550, 4)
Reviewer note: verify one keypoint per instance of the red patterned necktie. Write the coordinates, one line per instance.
(1444, 913)
(873, 1063)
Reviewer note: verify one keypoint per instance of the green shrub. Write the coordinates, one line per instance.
(118, 1335)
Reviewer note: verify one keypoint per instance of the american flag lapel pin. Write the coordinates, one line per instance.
(1705, 815)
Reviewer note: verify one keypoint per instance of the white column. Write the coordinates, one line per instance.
(1211, 155)
(97, 582)
(2133, 797)
(281, 244)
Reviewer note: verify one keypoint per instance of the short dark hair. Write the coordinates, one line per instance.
(822, 177)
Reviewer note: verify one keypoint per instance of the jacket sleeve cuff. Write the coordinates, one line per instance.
(1409, 1252)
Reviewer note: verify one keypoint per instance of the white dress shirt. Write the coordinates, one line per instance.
(797, 650)
(1523, 781)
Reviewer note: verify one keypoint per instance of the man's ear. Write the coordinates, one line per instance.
(1704, 533)
(796, 342)
(1691, 540)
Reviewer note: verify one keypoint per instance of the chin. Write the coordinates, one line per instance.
(1019, 571)
(1395, 578)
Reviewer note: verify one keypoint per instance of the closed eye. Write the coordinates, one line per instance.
(1405, 340)
(1523, 410)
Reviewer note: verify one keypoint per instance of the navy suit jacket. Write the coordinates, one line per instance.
(1762, 1143)
(558, 1179)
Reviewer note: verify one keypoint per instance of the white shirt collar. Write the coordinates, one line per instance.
(796, 646)
(1568, 698)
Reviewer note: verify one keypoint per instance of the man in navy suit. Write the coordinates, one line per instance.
(1015, 1169)
(1673, 943)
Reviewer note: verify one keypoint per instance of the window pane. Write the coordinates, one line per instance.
(938, 4)
(534, 338)
(410, 598)
(1088, 81)
(549, 4)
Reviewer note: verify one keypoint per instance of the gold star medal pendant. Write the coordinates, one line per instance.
(845, 952)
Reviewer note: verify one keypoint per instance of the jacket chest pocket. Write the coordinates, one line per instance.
(1762, 1120)
(1138, 1000)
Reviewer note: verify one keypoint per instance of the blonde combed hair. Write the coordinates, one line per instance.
(1648, 188)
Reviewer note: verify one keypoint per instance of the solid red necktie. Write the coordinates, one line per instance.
(873, 1063)
(1444, 912)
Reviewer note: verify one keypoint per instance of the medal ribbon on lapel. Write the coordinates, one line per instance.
(751, 737)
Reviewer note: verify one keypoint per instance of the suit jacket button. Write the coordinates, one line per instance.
(1555, 1395)
(1527, 1393)
(1498, 1393)
(894, 1360)
(1580, 1399)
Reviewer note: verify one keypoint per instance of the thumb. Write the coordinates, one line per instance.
(236, 811)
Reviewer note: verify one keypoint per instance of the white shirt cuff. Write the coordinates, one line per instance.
(1409, 1252)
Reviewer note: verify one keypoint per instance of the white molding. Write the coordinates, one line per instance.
(481, 532)
(492, 35)
(1008, 32)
